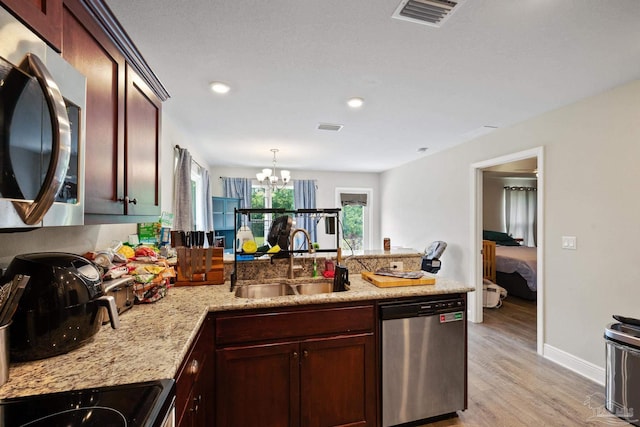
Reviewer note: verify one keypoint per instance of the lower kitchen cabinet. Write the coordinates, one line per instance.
(195, 381)
(321, 371)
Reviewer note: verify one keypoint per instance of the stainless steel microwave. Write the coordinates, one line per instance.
(42, 112)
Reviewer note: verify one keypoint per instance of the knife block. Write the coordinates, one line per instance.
(199, 266)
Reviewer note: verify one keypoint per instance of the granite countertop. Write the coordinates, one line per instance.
(153, 339)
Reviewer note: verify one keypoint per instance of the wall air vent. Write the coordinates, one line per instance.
(329, 126)
(426, 12)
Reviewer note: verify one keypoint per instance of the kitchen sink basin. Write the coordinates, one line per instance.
(288, 287)
(313, 288)
(268, 290)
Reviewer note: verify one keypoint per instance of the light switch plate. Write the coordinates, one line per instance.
(569, 242)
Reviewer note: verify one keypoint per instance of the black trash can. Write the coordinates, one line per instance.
(622, 384)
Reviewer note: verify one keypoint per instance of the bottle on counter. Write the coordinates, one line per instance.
(315, 267)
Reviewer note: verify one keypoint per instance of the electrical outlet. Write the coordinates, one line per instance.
(397, 265)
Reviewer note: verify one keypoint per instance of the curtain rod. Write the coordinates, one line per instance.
(177, 147)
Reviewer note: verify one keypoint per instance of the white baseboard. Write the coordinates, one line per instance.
(582, 367)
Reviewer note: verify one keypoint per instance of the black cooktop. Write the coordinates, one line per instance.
(130, 405)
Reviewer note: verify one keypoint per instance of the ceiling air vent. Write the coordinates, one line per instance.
(426, 12)
(329, 126)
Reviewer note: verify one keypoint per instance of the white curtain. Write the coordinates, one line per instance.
(182, 202)
(521, 207)
(208, 208)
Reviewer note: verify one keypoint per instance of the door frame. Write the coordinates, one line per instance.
(475, 300)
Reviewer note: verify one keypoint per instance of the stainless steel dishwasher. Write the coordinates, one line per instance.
(424, 363)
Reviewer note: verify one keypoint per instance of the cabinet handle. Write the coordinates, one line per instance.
(196, 403)
(193, 368)
(127, 200)
(305, 353)
(295, 355)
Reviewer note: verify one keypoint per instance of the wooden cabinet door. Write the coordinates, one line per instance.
(87, 48)
(143, 110)
(195, 381)
(337, 377)
(42, 16)
(258, 386)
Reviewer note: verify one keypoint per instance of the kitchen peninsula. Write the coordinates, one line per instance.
(154, 340)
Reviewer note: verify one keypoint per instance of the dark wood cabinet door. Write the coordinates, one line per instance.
(42, 16)
(195, 381)
(258, 386)
(87, 48)
(337, 377)
(143, 111)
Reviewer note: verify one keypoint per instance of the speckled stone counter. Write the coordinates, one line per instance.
(153, 339)
(358, 261)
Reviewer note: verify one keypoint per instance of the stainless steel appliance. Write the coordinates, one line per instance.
(623, 369)
(424, 370)
(121, 289)
(42, 102)
(60, 309)
(149, 404)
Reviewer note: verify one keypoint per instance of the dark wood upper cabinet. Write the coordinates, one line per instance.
(42, 16)
(88, 49)
(122, 179)
(142, 153)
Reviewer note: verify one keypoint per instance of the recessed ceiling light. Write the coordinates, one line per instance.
(355, 102)
(219, 87)
(422, 149)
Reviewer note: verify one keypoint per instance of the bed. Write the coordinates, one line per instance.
(511, 266)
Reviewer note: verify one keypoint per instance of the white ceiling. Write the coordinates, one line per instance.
(292, 64)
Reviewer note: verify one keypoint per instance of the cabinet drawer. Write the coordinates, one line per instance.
(285, 324)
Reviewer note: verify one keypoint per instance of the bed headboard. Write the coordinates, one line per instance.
(489, 260)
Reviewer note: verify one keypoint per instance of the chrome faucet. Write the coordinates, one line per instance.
(292, 245)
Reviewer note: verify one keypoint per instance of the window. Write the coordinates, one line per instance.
(262, 197)
(355, 218)
(198, 208)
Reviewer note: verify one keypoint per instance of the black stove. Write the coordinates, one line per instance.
(131, 405)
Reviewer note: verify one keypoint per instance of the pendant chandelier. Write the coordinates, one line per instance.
(270, 177)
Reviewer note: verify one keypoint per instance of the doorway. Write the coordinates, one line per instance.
(477, 171)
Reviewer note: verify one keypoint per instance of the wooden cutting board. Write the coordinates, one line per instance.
(389, 281)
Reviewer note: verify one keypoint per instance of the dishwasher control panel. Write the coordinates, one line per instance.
(448, 310)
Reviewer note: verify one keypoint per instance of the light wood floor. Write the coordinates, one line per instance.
(511, 385)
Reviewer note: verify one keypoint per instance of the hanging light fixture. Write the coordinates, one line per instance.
(269, 176)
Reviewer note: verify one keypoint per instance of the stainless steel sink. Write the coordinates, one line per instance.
(268, 290)
(287, 287)
(313, 288)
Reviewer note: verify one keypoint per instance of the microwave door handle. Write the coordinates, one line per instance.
(33, 212)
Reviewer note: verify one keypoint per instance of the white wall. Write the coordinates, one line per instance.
(591, 169)
(327, 183)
